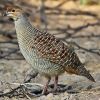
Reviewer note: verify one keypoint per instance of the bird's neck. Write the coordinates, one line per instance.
(24, 29)
(23, 26)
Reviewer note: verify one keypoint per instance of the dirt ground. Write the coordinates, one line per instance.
(68, 21)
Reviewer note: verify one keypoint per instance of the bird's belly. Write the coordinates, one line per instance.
(41, 65)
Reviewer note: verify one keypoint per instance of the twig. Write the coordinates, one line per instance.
(10, 92)
(88, 50)
(28, 96)
(24, 84)
(14, 51)
(9, 42)
(42, 14)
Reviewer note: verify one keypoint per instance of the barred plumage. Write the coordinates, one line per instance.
(47, 55)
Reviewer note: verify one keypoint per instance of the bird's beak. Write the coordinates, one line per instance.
(5, 14)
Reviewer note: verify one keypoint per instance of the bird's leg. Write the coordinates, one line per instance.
(55, 83)
(46, 85)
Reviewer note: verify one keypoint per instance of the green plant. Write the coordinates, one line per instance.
(84, 2)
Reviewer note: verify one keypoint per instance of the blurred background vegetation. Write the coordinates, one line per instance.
(73, 21)
(89, 2)
(64, 18)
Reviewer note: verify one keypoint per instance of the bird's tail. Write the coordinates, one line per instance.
(86, 73)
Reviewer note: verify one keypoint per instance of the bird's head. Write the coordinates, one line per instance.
(13, 12)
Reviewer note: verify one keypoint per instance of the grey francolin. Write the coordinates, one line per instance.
(47, 55)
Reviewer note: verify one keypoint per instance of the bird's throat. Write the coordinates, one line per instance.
(24, 30)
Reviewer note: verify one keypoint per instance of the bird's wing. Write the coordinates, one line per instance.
(54, 50)
(50, 48)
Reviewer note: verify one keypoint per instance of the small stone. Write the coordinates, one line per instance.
(50, 96)
(42, 97)
(6, 90)
(65, 94)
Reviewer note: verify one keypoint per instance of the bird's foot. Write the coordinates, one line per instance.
(44, 92)
(56, 90)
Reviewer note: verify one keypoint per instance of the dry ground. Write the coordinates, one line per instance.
(68, 21)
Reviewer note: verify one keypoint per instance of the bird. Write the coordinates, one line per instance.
(48, 55)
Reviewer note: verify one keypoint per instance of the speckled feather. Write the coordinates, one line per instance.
(50, 48)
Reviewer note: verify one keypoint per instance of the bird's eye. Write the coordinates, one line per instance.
(13, 10)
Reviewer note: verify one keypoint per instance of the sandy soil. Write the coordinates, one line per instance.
(70, 22)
